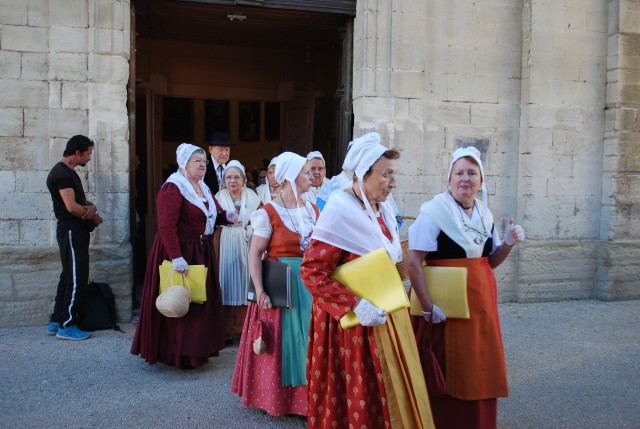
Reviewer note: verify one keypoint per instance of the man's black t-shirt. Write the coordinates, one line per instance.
(63, 177)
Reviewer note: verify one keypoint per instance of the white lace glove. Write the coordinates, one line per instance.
(180, 265)
(368, 314)
(515, 233)
(435, 315)
(232, 216)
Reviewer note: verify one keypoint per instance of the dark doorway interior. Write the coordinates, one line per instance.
(276, 79)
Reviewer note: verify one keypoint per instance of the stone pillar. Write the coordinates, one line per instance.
(619, 250)
(63, 71)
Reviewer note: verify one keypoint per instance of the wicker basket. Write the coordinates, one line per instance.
(174, 301)
(402, 265)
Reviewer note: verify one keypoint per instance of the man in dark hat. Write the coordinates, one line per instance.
(219, 153)
(77, 217)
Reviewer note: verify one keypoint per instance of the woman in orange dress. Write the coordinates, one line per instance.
(275, 379)
(369, 375)
(455, 229)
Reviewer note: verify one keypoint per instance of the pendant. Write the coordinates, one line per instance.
(477, 240)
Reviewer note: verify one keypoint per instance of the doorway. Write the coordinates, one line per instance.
(275, 79)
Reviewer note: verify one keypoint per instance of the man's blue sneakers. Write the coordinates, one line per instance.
(72, 333)
(53, 327)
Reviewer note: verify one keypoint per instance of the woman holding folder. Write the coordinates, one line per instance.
(187, 216)
(455, 229)
(273, 377)
(368, 375)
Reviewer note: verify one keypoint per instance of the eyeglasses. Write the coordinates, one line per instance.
(200, 161)
(389, 177)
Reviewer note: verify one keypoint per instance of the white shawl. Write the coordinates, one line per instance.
(189, 193)
(249, 203)
(346, 225)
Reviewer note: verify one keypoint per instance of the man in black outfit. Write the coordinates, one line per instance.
(219, 153)
(77, 217)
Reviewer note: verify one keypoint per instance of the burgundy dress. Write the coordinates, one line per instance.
(190, 340)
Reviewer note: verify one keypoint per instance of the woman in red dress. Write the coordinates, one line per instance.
(187, 216)
(455, 229)
(369, 375)
(274, 379)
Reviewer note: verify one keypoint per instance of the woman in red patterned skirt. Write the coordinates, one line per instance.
(355, 378)
(455, 229)
(273, 377)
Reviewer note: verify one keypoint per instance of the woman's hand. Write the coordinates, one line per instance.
(264, 301)
(368, 314)
(515, 233)
(180, 265)
(435, 315)
(232, 216)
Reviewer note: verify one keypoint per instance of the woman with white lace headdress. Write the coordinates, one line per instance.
(233, 247)
(274, 378)
(187, 217)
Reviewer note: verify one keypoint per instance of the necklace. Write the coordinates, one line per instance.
(305, 240)
(480, 235)
(362, 202)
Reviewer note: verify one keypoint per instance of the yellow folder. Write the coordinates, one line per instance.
(196, 277)
(447, 287)
(375, 278)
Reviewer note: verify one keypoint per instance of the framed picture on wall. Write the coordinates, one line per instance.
(177, 118)
(249, 121)
(272, 121)
(217, 114)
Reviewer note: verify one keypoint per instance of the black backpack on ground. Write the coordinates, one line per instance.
(99, 308)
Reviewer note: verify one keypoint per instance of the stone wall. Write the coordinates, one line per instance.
(63, 71)
(528, 82)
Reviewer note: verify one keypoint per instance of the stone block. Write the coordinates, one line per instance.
(13, 13)
(65, 123)
(408, 56)
(38, 13)
(618, 270)
(9, 64)
(67, 39)
(55, 95)
(409, 25)
(408, 84)
(477, 35)
(25, 313)
(67, 66)
(495, 115)
(35, 66)
(509, 90)
(472, 89)
(440, 31)
(36, 122)
(19, 154)
(593, 70)
(577, 142)
(436, 89)
(629, 94)
(34, 284)
(69, 13)
(30, 205)
(447, 113)
(7, 182)
(24, 39)
(450, 59)
(114, 42)
(11, 122)
(31, 181)
(461, 11)
(6, 287)
(19, 93)
(109, 14)
(74, 95)
(9, 231)
(629, 18)
(498, 63)
(34, 232)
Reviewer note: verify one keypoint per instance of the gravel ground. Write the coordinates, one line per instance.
(572, 364)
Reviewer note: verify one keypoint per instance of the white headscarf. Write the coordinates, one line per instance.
(288, 166)
(358, 232)
(273, 161)
(236, 164)
(315, 155)
(474, 153)
(183, 154)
